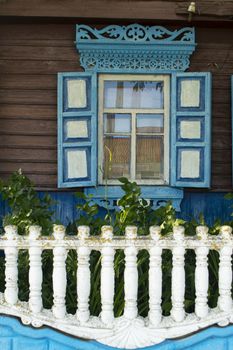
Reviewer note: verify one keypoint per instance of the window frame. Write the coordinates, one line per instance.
(166, 78)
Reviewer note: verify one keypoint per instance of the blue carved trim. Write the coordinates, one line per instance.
(107, 196)
(134, 33)
(134, 48)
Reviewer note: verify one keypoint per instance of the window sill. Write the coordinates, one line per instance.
(107, 196)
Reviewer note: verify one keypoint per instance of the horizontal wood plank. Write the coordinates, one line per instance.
(221, 169)
(31, 141)
(28, 82)
(38, 53)
(27, 155)
(29, 168)
(38, 67)
(39, 97)
(104, 9)
(208, 8)
(99, 9)
(34, 31)
(226, 181)
(28, 127)
(44, 43)
(27, 112)
(221, 156)
(42, 180)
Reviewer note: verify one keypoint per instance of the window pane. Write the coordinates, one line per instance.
(133, 94)
(114, 122)
(149, 157)
(116, 157)
(149, 123)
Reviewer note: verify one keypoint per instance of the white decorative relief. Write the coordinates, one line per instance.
(190, 164)
(190, 129)
(178, 275)
(76, 129)
(190, 93)
(59, 274)
(11, 270)
(129, 331)
(77, 164)
(76, 93)
(35, 271)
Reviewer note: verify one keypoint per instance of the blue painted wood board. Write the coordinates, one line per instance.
(15, 336)
(212, 205)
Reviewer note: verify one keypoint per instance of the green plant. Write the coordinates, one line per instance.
(89, 214)
(133, 210)
(26, 208)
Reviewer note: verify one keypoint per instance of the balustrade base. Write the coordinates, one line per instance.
(122, 333)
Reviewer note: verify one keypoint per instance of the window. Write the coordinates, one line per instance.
(134, 112)
(134, 128)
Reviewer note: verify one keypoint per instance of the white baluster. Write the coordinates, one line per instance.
(107, 277)
(83, 276)
(59, 273)
(131, 275)
(155, 279)
(11, 270)
(178, 275)
(201, 274)
(35, 271)
(225, 271)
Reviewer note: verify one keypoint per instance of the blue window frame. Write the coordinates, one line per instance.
(147, 50)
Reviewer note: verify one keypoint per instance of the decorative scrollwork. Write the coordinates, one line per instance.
(109, 60)
(134, 32)
(134, 48)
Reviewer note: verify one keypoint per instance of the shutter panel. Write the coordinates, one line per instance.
(77, 136)
(191, 130)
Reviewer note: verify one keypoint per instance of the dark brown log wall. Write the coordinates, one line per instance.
(30, 57)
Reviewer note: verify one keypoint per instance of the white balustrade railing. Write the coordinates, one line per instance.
(129, 330)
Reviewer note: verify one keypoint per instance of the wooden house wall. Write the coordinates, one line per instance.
(31, 55)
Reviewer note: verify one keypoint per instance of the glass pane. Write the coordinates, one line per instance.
(149, 157)
(133, 94)
(116, 157)
(114, 122)
(149, 123)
